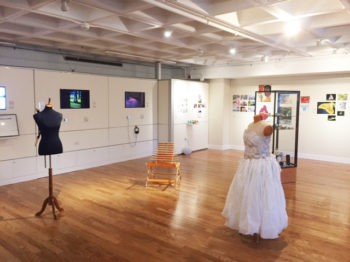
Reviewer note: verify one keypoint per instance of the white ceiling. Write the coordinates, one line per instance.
(203, 31)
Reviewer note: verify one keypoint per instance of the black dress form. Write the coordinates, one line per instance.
(49, 123)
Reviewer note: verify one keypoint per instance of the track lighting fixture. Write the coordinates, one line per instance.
(85, 25)
(64, 5)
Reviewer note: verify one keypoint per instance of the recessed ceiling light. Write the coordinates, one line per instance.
(85, 25)
(266, 58)
(292, 28)
(233, 51)
(168, 33)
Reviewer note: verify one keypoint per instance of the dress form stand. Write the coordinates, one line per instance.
(255, 204)
(266, 130)
(51, 199)
(49, 122)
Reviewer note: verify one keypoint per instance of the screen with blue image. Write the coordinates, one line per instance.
(134, 99)
(2, 98)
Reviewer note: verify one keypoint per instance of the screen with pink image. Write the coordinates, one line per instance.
(134, 99)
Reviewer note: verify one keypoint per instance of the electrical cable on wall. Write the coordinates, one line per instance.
(136, 132)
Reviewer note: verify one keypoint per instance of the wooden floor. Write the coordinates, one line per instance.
(111, 216)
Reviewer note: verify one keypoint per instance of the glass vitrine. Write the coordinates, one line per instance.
(281, 110)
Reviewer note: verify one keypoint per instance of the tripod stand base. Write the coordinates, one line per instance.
(52, 201)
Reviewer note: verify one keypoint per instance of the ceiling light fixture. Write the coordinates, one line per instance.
(266, 58)
(85, 25)
(168, 33)
(64, 5)
(292, 28)
(233, 51)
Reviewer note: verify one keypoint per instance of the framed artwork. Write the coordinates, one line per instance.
(244, 97)
(244, 103)
(265, 109)
(326, 108)
(251, 109)
(343, 97)
(331, 97)
(285, 99)
(236, 106)
(341, 113)
(332, 118)
(8, 125)
(236, 97)
(251, 97)
(305, 99)
(262, 97)
(251, 102)
(304, 107)
(342, 105)
(285, 115)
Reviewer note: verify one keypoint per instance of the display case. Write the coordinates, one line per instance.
(281, 110)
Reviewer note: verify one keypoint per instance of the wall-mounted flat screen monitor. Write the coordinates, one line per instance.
(2, 98)
(134, 99)
(8, 125)
(74, 99)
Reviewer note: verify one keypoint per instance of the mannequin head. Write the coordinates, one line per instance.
(267, 130)
(258, 118)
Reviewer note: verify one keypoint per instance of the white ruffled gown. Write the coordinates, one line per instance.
(255, 202)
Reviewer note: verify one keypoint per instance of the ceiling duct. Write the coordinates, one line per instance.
(91, 61)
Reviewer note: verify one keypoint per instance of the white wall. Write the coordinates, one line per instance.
(20, 100)
(176, 107)
(95, 136)
(219, 113)
(318, 138)
(184, 95)
(121, 129)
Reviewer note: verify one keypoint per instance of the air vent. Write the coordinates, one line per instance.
(92, 61)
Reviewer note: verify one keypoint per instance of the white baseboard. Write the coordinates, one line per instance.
(336, 159)
(219, 147)
(235, 147)
(327, 158)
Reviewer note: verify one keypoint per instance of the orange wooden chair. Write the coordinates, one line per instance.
(164, 167)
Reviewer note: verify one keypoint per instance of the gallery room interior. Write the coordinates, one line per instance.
(174, 130)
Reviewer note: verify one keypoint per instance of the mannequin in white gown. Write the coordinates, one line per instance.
(255, 202)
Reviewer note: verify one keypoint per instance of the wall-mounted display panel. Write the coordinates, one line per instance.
(134, 99)
(8, 125)
(74, 99)
(2, 98)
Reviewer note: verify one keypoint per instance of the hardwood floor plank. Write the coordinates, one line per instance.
(111, 216)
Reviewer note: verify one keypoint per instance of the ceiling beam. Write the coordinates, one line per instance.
(204, 18)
